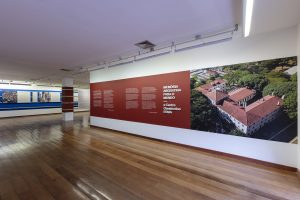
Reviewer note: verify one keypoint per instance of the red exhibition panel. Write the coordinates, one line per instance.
(159, 99)
(67, 99)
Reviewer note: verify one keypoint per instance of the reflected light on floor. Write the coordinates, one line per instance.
(86, 191)
(13, 148)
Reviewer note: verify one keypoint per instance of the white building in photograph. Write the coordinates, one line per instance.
(233, 106)
(252, 117)
(241, 96)
(214, 91)
(218, 84)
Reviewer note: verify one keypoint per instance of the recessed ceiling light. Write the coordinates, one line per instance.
(248, 17)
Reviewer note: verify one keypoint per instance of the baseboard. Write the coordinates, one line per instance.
(55, 113)
(81, 110)
(227, 155)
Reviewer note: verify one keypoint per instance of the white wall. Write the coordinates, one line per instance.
(84, 99)
(19, 113)
(240, 50)
(16, 113)
(275, 152)
(261, 47)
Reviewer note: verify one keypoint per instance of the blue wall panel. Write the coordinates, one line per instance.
(30, 105)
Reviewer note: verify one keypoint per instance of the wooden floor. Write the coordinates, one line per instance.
(43, 158)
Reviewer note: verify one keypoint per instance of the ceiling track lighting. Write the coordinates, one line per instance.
(203, 44)
(154, 53)
(173, 47)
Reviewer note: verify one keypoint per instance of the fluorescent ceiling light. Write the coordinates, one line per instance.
(248, 17)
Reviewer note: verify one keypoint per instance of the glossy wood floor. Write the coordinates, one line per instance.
(43, 158)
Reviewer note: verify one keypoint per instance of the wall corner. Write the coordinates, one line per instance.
(298, 63)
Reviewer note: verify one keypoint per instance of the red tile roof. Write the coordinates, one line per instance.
(254, 112)
(210, 85)
(215, 95)
(234, 110)
(240, 94)
(265, 104)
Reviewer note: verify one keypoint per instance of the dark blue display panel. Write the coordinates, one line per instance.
(34, 99)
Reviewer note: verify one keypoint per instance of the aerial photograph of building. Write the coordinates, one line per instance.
(257, 99)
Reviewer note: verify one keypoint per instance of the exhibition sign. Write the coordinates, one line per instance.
(256, 99)
(159, 99)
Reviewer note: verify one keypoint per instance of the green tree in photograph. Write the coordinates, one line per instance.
(289, 91)
(195, 82)
(231, 68)
(254, 81)
(280, 89)
(234, 77)
(290, 105)
(289, 61)
(203, 113)
(262, 67)
(268, 64)
(257, 69)
(276, 77)
(294, 78)
(237, 132)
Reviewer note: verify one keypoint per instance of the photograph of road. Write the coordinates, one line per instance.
(256, 99)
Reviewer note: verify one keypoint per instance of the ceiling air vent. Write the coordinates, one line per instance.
(145, 45)
(65, 70)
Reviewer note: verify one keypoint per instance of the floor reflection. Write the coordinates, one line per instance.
(43, 157)
(23, 132)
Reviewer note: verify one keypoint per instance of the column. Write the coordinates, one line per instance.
(67, 99)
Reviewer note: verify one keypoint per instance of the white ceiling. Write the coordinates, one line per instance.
(271, 15)
(39, 73)
(39, 37)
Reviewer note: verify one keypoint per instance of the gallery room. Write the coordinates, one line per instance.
(161, 99)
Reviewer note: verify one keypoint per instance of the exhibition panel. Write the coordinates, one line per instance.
(67, 99)
(255, 100)
(241, 98)
(160, 99)
(17, 99)
(24, 100)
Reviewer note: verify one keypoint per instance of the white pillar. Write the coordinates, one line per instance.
(67, 99)
(68, 116)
